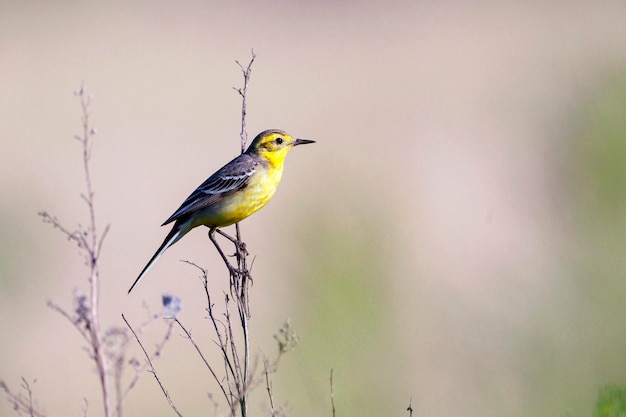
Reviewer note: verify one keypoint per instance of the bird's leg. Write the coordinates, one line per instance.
(241, 246)
(233, 271)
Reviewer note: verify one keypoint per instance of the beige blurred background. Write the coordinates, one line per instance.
(456, 236)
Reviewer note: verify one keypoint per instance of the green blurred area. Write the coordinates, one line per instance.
(344, 308)
(611, 402)
(597, 243)
(601, 199)
(600, 154)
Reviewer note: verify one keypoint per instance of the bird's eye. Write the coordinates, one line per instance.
(279, 141)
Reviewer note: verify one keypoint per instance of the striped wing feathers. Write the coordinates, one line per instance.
(230, 178)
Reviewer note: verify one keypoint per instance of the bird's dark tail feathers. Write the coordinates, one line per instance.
(173, 236)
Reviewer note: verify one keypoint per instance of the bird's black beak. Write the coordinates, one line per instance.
(302, 142)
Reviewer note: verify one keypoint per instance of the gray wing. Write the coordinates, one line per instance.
(230, 178)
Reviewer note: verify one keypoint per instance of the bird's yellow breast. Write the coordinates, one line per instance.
(242, 203)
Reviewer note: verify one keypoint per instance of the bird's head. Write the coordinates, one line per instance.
(274, 144)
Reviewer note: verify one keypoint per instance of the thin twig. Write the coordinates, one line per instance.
(410, 408)
(26, 386)
(87, 320)
(208, 365)
(76, 321)
(241, 255)
(158, 350)
(287, 340)
(241, 387)
(242, 298)
(85, 407)
(152, 370)
(268, 386)
(93, 249)
(236, 383)
(332, 392)
(222, 341)
(243, 91)
(20, 403)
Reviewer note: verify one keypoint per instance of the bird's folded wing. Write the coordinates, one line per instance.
(232, 177)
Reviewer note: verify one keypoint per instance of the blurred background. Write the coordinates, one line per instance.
(456, 236)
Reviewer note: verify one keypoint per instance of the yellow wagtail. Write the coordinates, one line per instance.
(235, 191)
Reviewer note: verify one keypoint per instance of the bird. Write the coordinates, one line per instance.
(234, 192)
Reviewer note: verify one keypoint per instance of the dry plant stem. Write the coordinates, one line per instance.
(77, 324)
(242, 300)
(157, 352)
(410, 407)
(85, 407)
(239, 284)
(152, 370)
(235, 385)
(223, 332)
(21, 404)
(93, 251)
(30, 397)
(332, 393)
(247, 72)
(106, 349)
(241, 257)
(89, 242)
(239, 377)
(229, 398)
(268, 386)
(243, 314)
